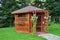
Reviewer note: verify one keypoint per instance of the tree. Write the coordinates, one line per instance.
(54, 8)
(8, 6)
(39, 3)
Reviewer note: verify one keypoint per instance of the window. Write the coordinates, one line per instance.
(22, 15)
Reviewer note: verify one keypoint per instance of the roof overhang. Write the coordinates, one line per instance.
(29, 9)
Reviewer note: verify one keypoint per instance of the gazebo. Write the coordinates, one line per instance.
(23, 19)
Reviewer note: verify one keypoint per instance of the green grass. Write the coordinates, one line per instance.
(54, 29)
(10, 34)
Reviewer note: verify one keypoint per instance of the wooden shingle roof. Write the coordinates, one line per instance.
(28, 9)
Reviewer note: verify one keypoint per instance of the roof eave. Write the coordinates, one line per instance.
(43, 11)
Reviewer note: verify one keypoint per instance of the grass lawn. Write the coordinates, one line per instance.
(10, 34)
(54, 29)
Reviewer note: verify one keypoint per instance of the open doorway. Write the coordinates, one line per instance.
(38, 24)
(38, 29)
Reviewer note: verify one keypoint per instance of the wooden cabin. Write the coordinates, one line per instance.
(23, 19)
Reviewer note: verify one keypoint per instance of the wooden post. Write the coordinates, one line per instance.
(16, 22)
(28, 22)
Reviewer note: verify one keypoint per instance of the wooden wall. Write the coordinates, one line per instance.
(26, 27)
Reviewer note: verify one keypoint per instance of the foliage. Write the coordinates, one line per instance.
(5, 23)
(38, 3)
(20, 22)
(54, 8)
(34, 20)
(10, 34)
(8, 6)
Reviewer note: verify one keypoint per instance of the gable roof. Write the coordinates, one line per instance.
(28, 9)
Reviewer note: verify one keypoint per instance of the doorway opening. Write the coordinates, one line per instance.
(38, 29)
(38, 24)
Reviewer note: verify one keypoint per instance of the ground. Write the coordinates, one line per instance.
(53, 32)
(54, 29)
(10, 34)
(50, 36)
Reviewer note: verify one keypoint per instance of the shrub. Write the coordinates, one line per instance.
(20, 22)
